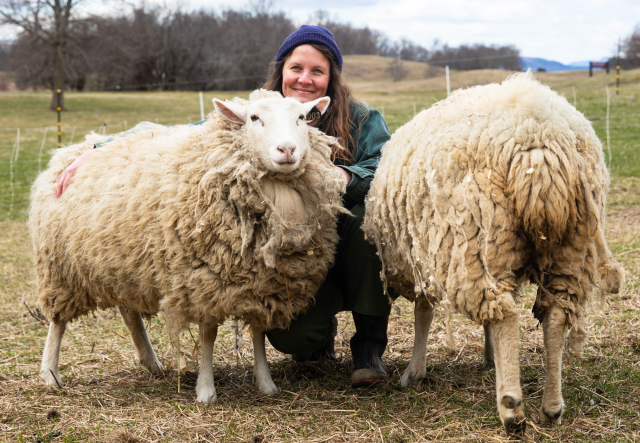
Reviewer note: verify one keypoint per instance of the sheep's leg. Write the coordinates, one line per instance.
(146, 356)
(553, 326)
(205, 388)
(489, 347)
(417, 369)
(507, 360)
(49, 371)
(261, 375)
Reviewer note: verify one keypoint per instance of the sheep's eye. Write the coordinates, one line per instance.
(254, 118)
(301, 117)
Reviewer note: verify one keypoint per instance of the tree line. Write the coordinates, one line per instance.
(155, 48)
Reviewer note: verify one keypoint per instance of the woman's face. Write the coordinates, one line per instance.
(305, 75)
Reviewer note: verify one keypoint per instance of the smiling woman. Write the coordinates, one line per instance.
(308, 66)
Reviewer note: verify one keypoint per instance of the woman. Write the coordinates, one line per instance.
(309, 66)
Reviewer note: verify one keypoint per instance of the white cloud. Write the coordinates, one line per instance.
(562, 30)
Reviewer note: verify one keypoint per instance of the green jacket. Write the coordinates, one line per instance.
(369, 132)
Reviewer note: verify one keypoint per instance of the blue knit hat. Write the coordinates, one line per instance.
(310, 34)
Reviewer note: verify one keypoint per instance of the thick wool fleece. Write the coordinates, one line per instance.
(185, 219)
(491, 187)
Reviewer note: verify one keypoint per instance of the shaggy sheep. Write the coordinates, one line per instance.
(492, 187)
(232, 218)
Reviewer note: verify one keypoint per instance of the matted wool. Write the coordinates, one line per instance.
(185, 220)
(485, 190)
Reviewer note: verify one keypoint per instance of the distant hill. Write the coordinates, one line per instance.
(550, 66)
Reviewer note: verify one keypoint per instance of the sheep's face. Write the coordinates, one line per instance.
(276, 128)
(611, 276)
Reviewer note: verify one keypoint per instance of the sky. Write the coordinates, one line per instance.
(562, 30)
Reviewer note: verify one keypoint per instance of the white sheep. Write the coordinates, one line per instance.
(232, 218)
(485, 190)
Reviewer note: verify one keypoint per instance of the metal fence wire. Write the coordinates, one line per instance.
(22, 161)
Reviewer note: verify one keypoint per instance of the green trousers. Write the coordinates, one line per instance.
(352, 284)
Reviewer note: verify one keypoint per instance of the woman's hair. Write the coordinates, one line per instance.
(335, 121)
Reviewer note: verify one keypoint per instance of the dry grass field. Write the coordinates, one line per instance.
(108, 397)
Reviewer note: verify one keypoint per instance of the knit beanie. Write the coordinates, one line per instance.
(310, 34)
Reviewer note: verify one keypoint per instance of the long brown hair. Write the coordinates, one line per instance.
(335, 121)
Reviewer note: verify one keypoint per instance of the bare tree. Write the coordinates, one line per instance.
(46, 22)
(631, 47)
(397, 70)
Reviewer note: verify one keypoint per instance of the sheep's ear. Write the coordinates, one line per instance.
(233, 112)
(322, 104)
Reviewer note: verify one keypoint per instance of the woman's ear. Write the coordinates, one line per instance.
(321, 104)
(233, 112)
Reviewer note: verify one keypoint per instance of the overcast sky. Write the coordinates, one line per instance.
(560, 30)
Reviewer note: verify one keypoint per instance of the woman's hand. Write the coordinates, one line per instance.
(345, 173)
(63, 179)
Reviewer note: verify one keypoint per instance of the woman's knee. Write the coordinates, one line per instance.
(301, 337)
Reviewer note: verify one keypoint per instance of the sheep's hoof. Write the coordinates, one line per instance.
(511, 411)
(412, 378)
(551, 418)
(515, 426)
(489, 364)
(269, 389)
(206, 395)
(50, 379)
(153, 366)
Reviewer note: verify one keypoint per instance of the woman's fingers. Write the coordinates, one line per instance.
(62, 182)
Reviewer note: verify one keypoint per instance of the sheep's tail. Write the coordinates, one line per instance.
(548, 189)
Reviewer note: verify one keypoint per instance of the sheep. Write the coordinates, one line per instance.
(490, 188)
(232, 218)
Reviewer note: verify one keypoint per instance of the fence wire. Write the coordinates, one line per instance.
(22, 161)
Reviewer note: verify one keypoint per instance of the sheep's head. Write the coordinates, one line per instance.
(276, 128)
(611, 276)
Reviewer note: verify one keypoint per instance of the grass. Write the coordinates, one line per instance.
(89, 111)
(109, 397)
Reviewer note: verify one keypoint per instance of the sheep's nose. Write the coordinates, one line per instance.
(287, 150)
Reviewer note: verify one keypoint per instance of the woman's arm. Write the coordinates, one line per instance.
(370, 133)
(63, 179)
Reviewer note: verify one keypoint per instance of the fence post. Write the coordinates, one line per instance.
(382, 111)
(618, 70)
(44, 138)
(446, 70)
(574, 97)
(201, 107)
(15, 160)
(606, 87)
(414, 109)
(14, 154)
(73, 132)
(59, 109)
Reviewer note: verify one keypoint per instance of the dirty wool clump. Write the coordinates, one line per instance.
(495, 186)
(491, 188)
(186, 220)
